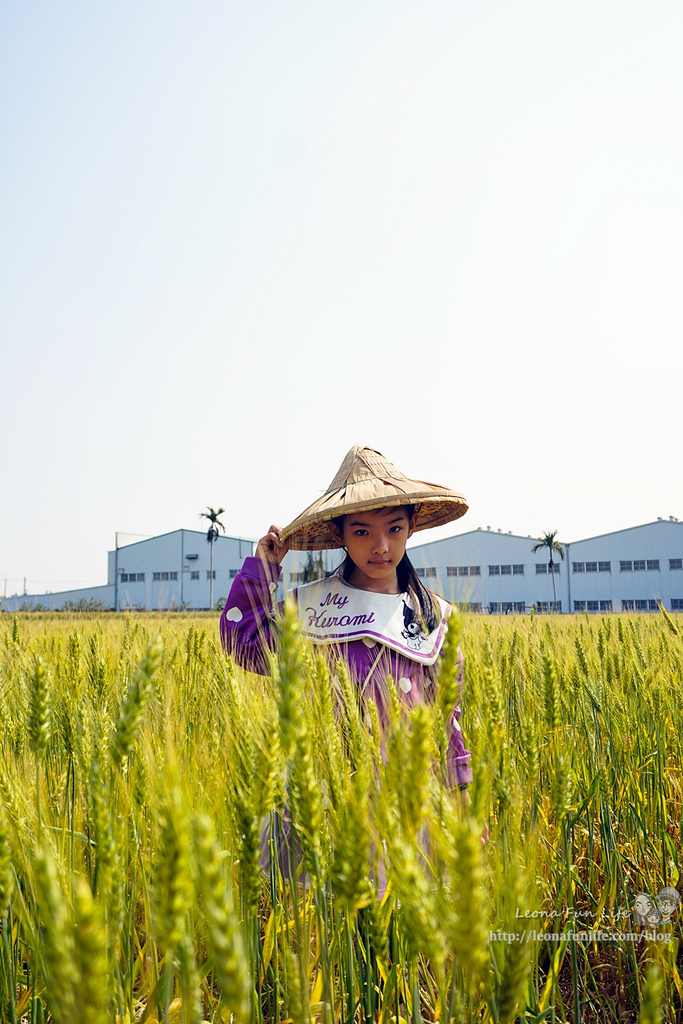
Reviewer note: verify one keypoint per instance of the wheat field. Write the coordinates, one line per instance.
(146, 784)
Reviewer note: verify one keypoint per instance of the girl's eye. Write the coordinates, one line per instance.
(361, 533)
(396, 529)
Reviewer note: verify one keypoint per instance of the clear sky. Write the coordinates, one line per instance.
(238, 237)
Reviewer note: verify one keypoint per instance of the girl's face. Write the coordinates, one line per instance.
(376, 543)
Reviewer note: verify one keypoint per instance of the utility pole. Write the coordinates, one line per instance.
(116, 572)
(24, 586)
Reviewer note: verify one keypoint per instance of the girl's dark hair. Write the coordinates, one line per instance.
(408, 580)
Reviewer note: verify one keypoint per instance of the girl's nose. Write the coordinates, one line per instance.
(381, 545)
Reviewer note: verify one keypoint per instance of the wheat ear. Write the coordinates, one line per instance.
(133, 708)
(651, 1011)
(225, 936)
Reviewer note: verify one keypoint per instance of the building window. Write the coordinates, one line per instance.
(494, 570)
(474, 606)
(677, 604)
(675, 563)
(543, 567)
(420, 573)
(211, 574)
(639, 565)
(653, 564)
(475, 570)
(463, 570)
(296, 577)
(578, 567)
(506, 570)
(548, 606)
(591, 566)
(194, 575)
(517, 570)
(494, 607)
(173, 576)
(626, 567)
(604, 567)
(156, 576)
(590, 606)
(605, 606)
(640, 605)
(233, 573)
(520, 606)
(430, 572)
(507, 607)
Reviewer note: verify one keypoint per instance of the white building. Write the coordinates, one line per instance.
(170, 571)
(630, 570)
(487, 570)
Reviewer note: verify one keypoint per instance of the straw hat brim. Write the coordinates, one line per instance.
(366, 480)
(434, 506)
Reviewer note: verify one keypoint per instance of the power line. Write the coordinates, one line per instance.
(29, 579)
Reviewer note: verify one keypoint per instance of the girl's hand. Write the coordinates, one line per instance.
(270, 548)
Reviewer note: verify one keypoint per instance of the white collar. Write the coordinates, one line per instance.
(332, 611)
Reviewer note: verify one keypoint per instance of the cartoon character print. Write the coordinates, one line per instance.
(412, 628)
(649, 911)
(668, 901)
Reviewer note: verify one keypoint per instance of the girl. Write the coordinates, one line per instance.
(373, 611)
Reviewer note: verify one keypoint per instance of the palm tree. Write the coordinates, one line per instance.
(212, 535)
(313, 570)
(548, 541)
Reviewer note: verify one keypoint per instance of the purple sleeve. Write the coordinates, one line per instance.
(458, 760)
(246, 620)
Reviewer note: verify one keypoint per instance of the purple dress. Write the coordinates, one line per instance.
(247, 635)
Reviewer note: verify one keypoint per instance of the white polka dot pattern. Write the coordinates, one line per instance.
(405, 684)
(234, 615)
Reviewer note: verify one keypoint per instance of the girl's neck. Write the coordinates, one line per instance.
(360, 581)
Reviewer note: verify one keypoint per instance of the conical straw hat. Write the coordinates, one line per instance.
(365, 481)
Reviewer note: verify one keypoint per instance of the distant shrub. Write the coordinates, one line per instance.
(83, 605)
